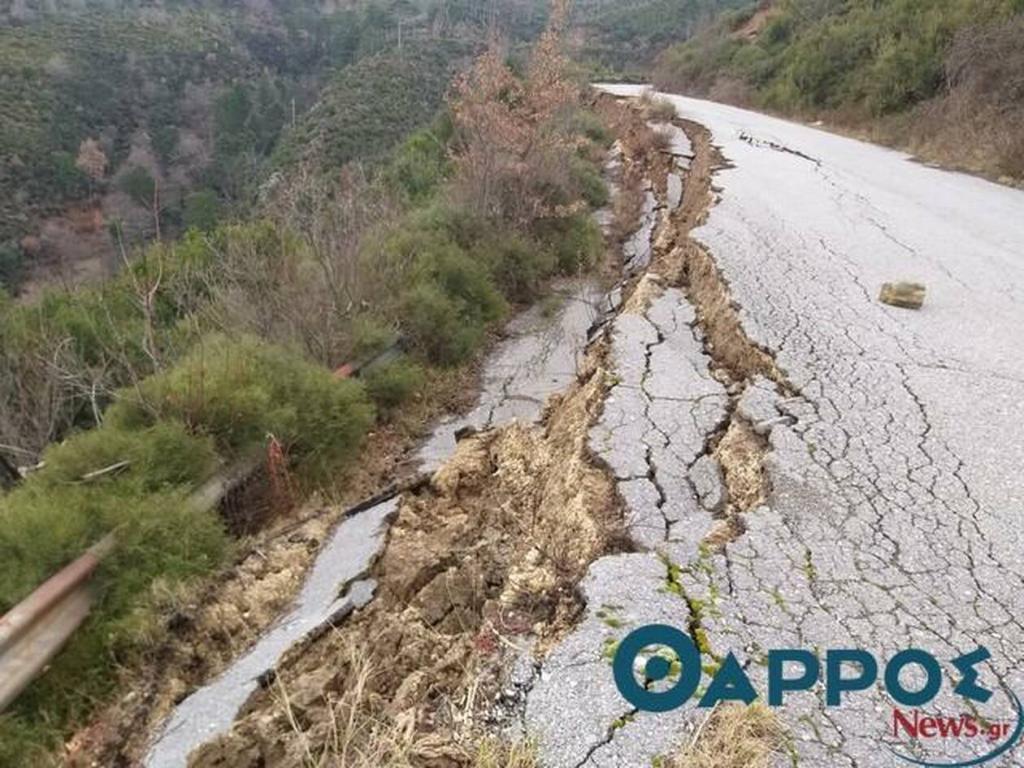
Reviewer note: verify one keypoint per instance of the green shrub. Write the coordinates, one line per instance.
(45, 527)
(238, 391)
(161, 456)
(451, 296)
(463, 279)
(519, 266)
(435, 327)
(575, 241)
(202, 210)
(392, 384)
(422, 163)
(370, 336)
(587, 123)
(587, 178)
(139, 184)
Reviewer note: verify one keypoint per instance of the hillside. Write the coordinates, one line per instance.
(239, 340)
(624, 37)
(114, 116)
(129, 121)
(942, 77)
(367, 108)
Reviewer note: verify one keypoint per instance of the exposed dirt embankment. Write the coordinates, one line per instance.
(480, 563)
(686, 263)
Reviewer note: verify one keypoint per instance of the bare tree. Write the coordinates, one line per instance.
(92, 161)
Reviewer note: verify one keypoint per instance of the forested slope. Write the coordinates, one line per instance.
(129, 121)
(945, 77)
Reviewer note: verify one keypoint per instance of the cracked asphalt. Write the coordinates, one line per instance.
(895, 473)
(335, 587)
(538, 357)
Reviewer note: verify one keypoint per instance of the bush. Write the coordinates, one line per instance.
(587, 178)
(661, 110)
(465, 280)
(587, 123)
(421, 164)
(452, 296)
(139, 184)
(162, 456)
(392, 384)
(435, 327)
(370, 336)
(238, 391)
(575, 241)
(519, 266)
(202, 210)
(158, 536)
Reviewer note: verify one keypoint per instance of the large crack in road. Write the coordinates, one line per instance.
(683, 431)
(893, 516)
(798, 466)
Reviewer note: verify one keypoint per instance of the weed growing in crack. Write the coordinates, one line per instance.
(809, 570)
(609, 649)
(621, 722)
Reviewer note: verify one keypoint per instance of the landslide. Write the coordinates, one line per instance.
(480, 564)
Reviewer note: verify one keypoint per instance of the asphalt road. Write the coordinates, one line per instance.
(898, 493)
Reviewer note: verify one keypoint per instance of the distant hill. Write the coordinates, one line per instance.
(366, 109)
(624, 36)
(128, 119)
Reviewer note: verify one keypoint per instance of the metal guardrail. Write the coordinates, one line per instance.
(35, 630)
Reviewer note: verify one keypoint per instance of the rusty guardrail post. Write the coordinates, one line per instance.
(35, 630)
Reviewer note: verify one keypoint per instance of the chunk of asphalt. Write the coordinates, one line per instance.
(539, 357)
(674, 191)
(211, 710)
(636, 251)
(706, 475)
(759, 405)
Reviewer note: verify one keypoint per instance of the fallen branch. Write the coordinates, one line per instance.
(113, 469)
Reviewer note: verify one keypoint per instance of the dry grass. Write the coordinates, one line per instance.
(657, 107)
(627, 208)
(494, 753)
(661, 140)
(733, 736)
(363, 733)
(357, 735)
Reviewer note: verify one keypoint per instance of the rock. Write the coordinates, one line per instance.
(905, 295)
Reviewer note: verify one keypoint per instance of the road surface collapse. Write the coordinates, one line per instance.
(750, 448)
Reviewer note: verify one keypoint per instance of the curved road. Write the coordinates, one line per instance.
(895, 519)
